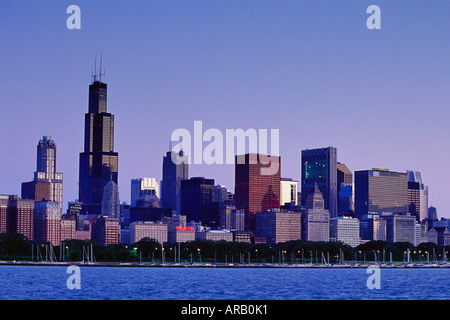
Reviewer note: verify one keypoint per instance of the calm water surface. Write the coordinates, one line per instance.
(124, 283)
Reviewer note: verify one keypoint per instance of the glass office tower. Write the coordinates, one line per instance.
(319, 166)
(98, 162)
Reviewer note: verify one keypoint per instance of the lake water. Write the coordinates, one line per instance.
(128, 283)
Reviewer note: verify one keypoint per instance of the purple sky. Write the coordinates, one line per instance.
(309, 68)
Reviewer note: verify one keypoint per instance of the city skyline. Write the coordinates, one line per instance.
(364, 99)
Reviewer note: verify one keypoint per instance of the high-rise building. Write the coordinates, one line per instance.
(175, 169)
(417, 196)
(148, 229)
(230, 218)
(316, 219)
(401, 228)
(106, 230)
(197, 194)
(257, 188)
(373, 229)
(47, 222)
(110, 200)
(346, 230)
(3, 212)
(47, 183)
(98, 161)
(278, 226)
(19, 216)
(143, 186)
(380, 191)
(288, 192)
(319, 166)
(344, 189)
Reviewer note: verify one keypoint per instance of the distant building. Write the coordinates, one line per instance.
(106, 230)
(288, 192)
(68, 228)
(19, 215)
(316, 219)
(143, 186)
(373, 229)
(231, 218)
(344, 189)
(175, 169)
(147, 229)
(47, 222)
(110, 200)
(401, 228)
(181, 234)
(278, 226)
(197, 196)
(380, 191)
(417, 196)
(215, 235)
(319, 167)
(47, 183)
(242, 236)
(98, 162)
(255, 189)
(346, 230)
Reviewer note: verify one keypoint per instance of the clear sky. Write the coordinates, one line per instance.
(309, 68)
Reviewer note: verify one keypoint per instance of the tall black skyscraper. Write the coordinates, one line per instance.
(319, 166)
(98, 162)
(172, 174)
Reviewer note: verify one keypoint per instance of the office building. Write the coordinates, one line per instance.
(278, 226)
(373, 229)
(316, 219)
(214, 235)
(98, 161)
(106, 230)
(401, 228)
(380, 191)
(110, 200)
(319, 167)
(288, 192)
(68, 228)
(417, 196)
(3, 213)
(344, 189)
(47, 183)
(197, 197)
(47, 222)
(232, 219)
(346, 230)
(257, 185)
(143, 186)
(147, 229)
(19, 216)
(175, 168)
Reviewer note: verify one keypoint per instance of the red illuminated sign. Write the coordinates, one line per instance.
(184, 228)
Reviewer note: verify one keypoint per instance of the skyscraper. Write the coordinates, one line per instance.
(319, 166)
(344, 189)
(47, 183)
(47, 222)
(379, 191)
(197, 194)
(316, 219)
(175, 169)
(143, 186)
(417, 196)
(254, 190)
(110, 201)
(98, 161)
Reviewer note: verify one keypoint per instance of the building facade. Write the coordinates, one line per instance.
(175, 168)
(278, 226)
(98, 162)
(196, 198)
(147, 229)
(47, 222)
(143, 186)
(346, 230)
(106, 230)
(380, 191)
(288, 192)
(344, 189)
(255, 189)
(316, 219)
(319, 167)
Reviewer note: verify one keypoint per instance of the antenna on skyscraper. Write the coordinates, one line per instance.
(101, 65)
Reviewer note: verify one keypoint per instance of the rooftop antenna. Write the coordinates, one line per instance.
(101, 64)
(95, 67)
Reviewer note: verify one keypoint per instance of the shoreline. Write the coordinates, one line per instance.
(229, 265)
